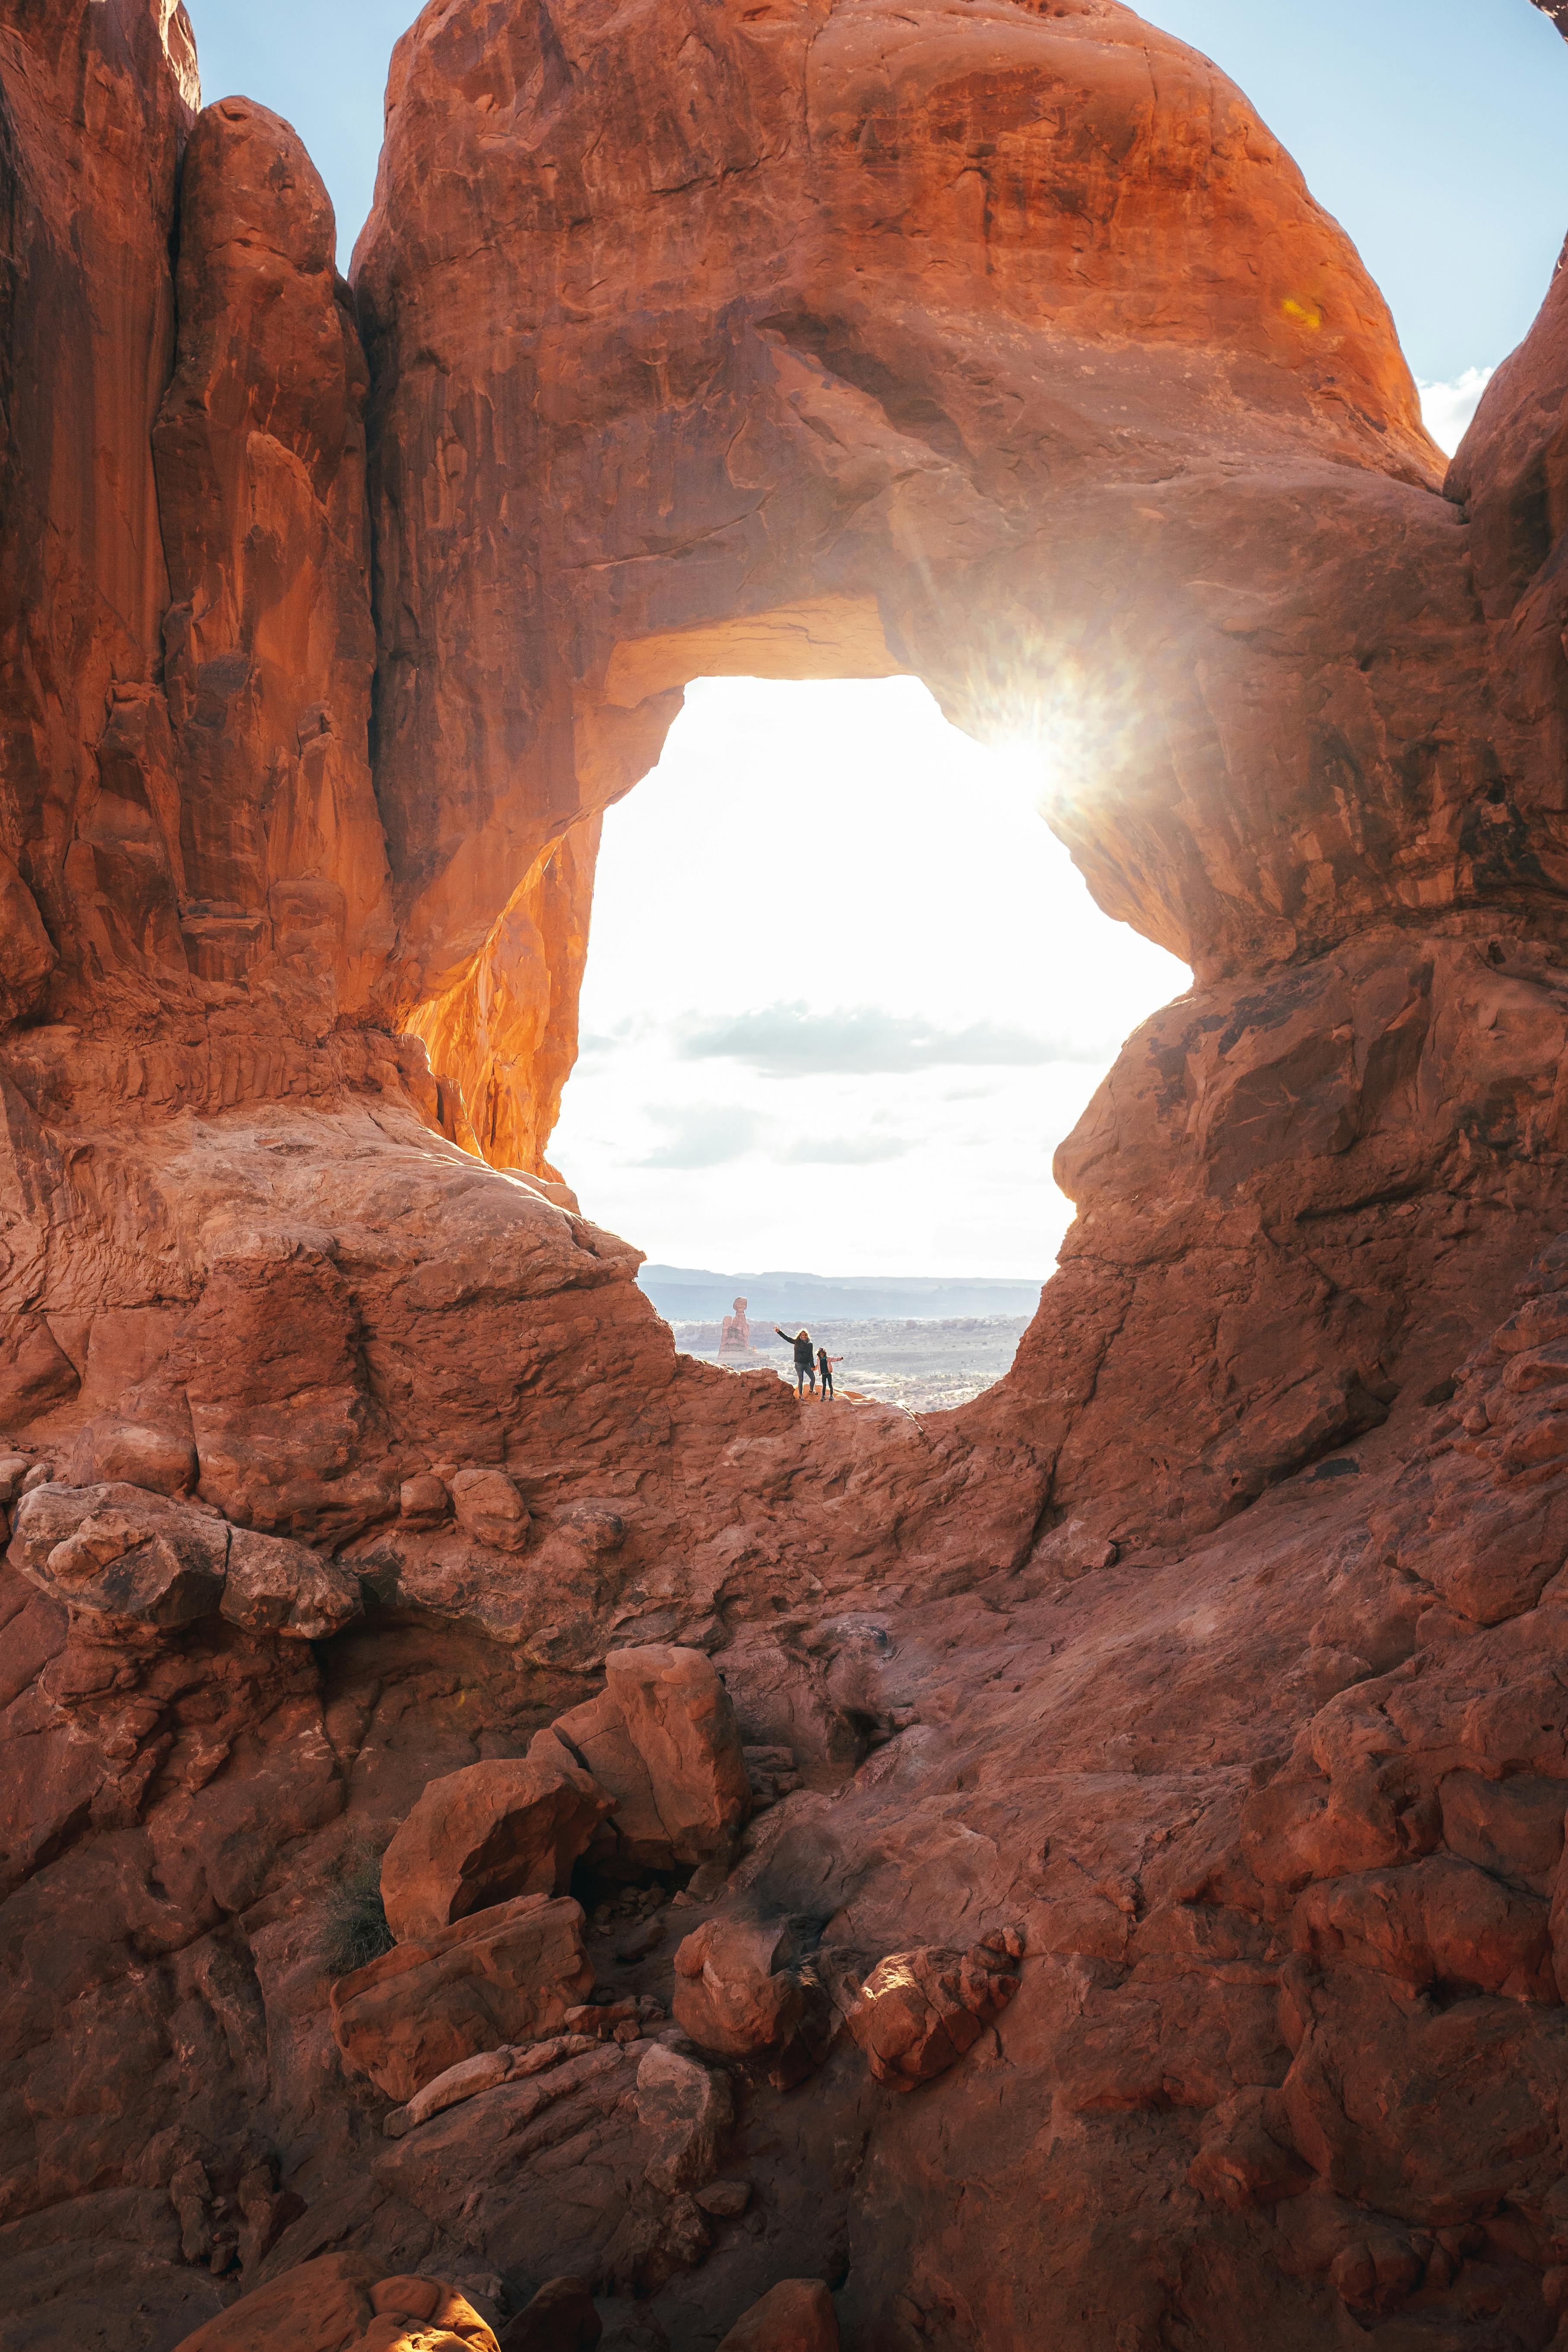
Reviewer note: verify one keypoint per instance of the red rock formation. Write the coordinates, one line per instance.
(339, 2300)
(99, 101)
(662, 1739)
(506, 1974)
(259, 447)
(796, 2315)
(484, 1836)
(1212, 1659)
(916, 352)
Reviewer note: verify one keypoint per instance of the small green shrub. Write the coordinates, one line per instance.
(353, 1929)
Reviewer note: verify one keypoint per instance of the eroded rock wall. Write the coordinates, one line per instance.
(260, 449)
(97, 103)
(892, 301)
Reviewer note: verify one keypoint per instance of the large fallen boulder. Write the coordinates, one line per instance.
(486, 1835)
(127, 1562)
(489, 1508)
(737, 1992)
(919, 2011)
(275, 1585)
(732, 1990)
(337, 2303)
(796, 2315)
(662, 1738)
(690, 2111)
(121, 1558)
(503, 1976)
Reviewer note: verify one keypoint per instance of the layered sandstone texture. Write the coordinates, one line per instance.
(808, 315)
(508, 1831)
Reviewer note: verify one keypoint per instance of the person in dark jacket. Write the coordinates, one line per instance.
(805, 1359)
(824, 1363)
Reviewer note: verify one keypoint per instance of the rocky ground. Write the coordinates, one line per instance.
(923, 1366)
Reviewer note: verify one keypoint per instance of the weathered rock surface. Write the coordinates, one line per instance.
(509, 2063)
(127, 1563)
(560, 2318)
(917, 2012)
(1218, 1647)
(508, 1974)
(484, 1835)
(689, 2112)
(338, 2303)
(796, 2315)
(734, 1990)
(663, 1741)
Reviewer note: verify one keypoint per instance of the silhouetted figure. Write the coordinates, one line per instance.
(824, 1363)
(804, 1360)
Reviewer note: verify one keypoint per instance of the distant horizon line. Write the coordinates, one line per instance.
(797, 1274)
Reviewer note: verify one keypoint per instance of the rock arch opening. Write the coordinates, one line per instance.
(843, 994)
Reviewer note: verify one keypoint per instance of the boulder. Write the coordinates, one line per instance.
(489, 1508)
(130, 1453)
(560, 2318)
(123, 1560)
(339, 2302)
(471, 2077)
(484, 1835)
(275, 1585)
(422, 1501)
(127, 1562)
(662, 1738)
(690, 2112)
(919, 2011)
(504, 1975)
(539, 2171)
(736, 1993)
(1436, 1921)
(796, 2315)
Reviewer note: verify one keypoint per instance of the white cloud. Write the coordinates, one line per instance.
(791, 1041)
(846, 1150)
(1446, 408)
(901, 993)
(703, 1135)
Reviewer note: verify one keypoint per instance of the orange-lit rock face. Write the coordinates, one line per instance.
(98, 103)
(185, 596)
(1007, 345)
(261, 455)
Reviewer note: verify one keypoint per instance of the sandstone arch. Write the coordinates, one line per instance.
(1013, 322)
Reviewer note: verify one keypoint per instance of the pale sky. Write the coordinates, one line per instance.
(827, 1026)
(844, 994)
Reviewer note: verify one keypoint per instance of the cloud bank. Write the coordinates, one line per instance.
(789, 1041)
(705, 1136)
(1446, 408)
